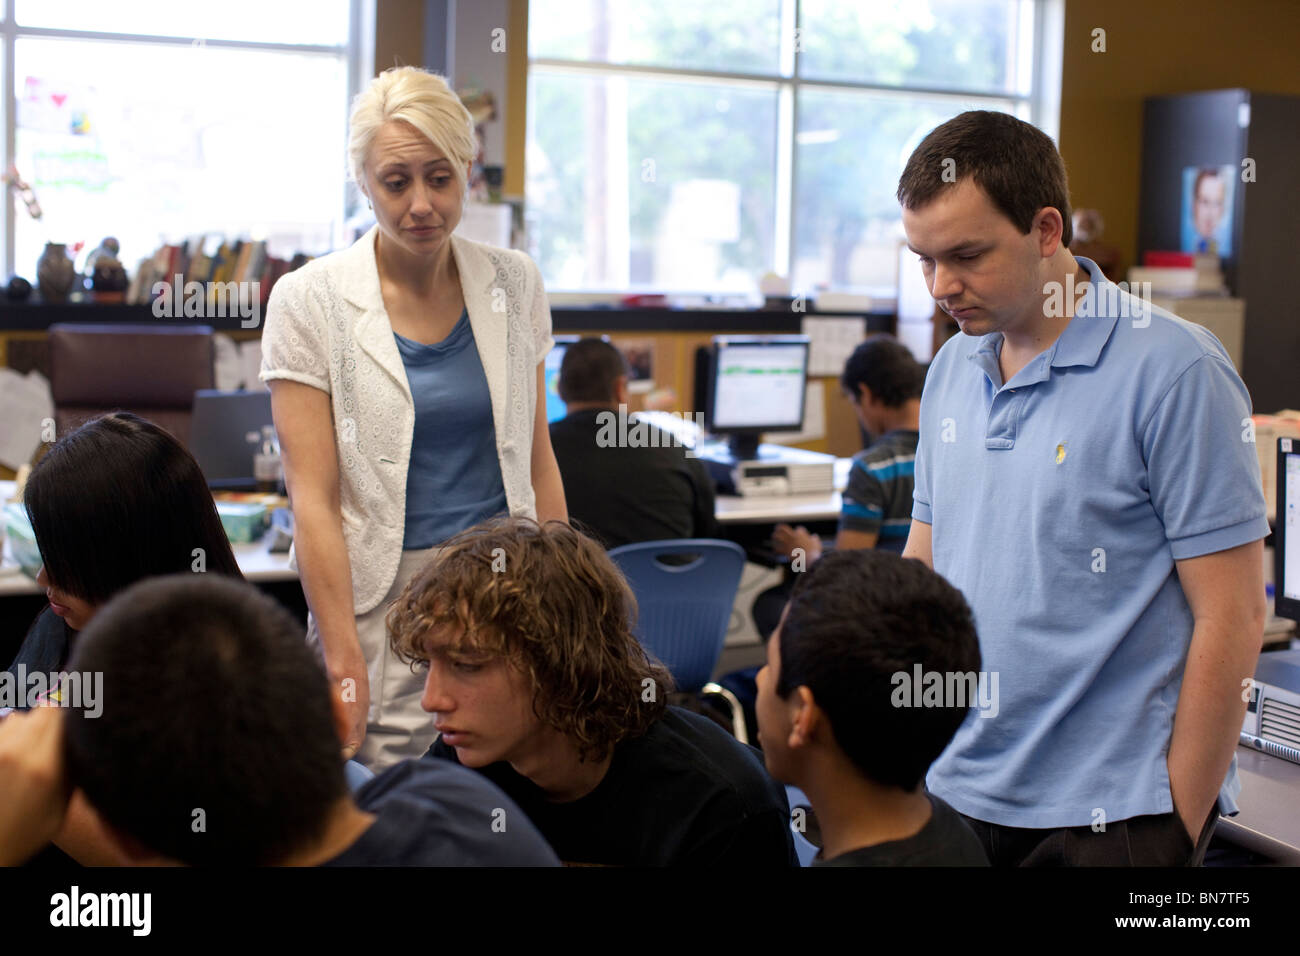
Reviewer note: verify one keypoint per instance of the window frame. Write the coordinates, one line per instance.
(356, 53)
(1040, 106)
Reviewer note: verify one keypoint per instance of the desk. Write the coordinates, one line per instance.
(769, 509)
(1268, 822)
(792, 509)
(258, 564)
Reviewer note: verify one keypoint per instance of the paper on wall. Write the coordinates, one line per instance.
(227, 372)
(486, 222)
(250, 358)
(832, 341)
(29, 416)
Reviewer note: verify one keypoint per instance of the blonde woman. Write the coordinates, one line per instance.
(407, 388)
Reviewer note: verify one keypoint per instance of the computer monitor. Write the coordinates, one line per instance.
(554, 404)
(1286, 587)
(756, 384)
(225, 433)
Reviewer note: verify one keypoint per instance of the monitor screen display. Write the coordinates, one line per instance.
(554, 405)
(759, 385)
(1289, 517)
(225, 433)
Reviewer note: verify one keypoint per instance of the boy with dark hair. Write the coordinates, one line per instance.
(835, 722)
(882, 380)
(537, 681)
(644, 490)
(219, 744)
(590, 372)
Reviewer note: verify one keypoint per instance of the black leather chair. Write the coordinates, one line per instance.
(152, 371)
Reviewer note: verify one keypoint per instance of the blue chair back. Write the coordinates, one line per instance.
(804, 848)
(684, 608)
(357, 775)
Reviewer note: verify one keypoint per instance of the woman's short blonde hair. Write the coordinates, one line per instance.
(426, 102)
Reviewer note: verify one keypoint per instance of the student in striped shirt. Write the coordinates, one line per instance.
(883, 382)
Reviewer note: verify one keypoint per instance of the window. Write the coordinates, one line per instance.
(683, 146)
(156, 121)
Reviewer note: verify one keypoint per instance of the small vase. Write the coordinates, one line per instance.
(55, 273)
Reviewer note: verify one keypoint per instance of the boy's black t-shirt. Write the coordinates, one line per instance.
(430, 813)
(945, 840)
(686, 793)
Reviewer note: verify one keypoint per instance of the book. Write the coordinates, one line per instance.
(1205, 266)
(1165, 259)
(1170, 280)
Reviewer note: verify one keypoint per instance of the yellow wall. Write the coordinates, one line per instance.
(399, 33)
(516, 99)
(1156, 47)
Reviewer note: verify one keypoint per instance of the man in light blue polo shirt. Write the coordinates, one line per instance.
(1087, 477)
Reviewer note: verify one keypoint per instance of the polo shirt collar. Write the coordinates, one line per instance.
(1086, 335)
(1079, 344)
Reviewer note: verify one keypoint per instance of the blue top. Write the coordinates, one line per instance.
(435, 813)
(454, 478)
(1059, 502)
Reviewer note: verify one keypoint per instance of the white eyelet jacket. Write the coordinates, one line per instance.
(326, 326)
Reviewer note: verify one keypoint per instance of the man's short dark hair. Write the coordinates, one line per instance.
(216, 743)
(1015, 163)
(858, 617)
(590, 371)
(887, 368)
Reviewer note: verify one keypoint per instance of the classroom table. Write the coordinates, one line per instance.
(793, 509)
(1268, 822)
(258, 564)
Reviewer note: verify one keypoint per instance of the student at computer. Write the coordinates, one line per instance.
(622, 493)
(114, 501)
(536, 680)
(197, 756)
(834, 722)
(883, 382)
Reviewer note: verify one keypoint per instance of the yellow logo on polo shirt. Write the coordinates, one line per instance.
(1060, 453)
